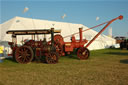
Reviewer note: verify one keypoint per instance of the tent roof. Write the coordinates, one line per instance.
(21, 22)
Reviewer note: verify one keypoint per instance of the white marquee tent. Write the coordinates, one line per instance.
(20, 23)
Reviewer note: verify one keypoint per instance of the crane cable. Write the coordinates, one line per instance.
(87, 29)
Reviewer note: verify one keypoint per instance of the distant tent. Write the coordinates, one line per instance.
(20, 23)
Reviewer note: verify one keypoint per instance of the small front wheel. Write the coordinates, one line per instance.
(52, 58)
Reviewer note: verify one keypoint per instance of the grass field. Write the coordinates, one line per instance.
(104, 67)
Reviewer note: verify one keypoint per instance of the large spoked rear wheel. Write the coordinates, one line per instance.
(83, 53)
(52, 58)
(24, 54)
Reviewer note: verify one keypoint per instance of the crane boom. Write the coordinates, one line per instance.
(120, 17)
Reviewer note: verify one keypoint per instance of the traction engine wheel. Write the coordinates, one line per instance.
(59, 39)
(24, 54)
(59, 48)
(59, 42)
(52, 58)
(83, 53)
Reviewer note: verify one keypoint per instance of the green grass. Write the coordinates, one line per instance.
(104, 67)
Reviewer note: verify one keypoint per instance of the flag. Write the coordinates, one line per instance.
(97, 18)
(63, 16)
(25, 9)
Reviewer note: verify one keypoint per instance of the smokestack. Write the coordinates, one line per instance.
(110, 32)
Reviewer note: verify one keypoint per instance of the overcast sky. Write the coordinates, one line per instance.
(77, 11)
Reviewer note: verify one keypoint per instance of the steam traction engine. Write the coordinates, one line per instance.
(33, 49)
(68, 47)
(82, 51)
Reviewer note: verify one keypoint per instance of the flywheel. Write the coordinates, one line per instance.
(59, 39)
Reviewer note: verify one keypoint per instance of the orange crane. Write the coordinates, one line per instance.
(82, 52)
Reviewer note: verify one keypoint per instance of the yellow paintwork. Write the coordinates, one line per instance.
(1, 49)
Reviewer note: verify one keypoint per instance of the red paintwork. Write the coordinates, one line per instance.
(59, 39)
(32, 49)
(33, 44)
(69, 46)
